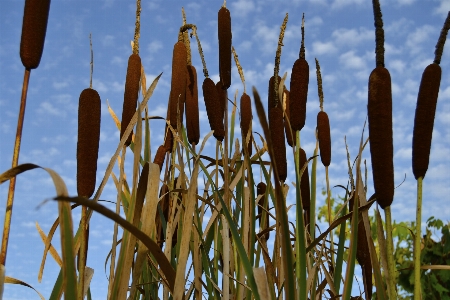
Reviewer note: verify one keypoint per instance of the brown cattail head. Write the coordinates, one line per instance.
(304, 183)
(192, 117)
(89, 112)
(212, 105)
(34, 28)
(164, 205)
(222, 99)
(160, 156)
(298, 94)
(178, 84)
(224, 35)
(131, 93)
(323, 132)
(287, 129)
(380, 133)
(362, 251)
(278, 143)
(424, 119)
(271, 93)
(246, 119)
(168, 140)
(261, 190)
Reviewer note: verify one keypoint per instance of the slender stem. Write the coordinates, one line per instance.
(82, 253)
(390, 254)
(417, 286)
(15, 160)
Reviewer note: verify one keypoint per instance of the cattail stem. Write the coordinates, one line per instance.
(137, 29)
(277, 58)
(390, 254)
(82, 253)
(441, 40)
(15, 160)
(92, 62)
(417, 239)
(329, 214)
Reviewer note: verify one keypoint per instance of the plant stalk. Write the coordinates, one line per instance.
(417, 238)
(15, 160)
(390, 254)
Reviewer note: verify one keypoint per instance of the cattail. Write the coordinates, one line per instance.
(261, 190)
(287, 129)
(212, 105)
(192, 117)
(272, 102)
(298, 94)
(363, 253)
(168, 140)
(222, 99)
(34, 28)
(164, 205)
(380, 133)
(323, 131)
(89, 112)
(224, 35)
(131, 93)
(304, 183)
(160, 157)
(178, 84)
(246, 119)
(277, 135)
(424, 119)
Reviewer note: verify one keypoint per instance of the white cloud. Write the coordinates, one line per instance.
(108, 40)
(48, 108)
(352, 61)
(154, 46)
(352, 37)
(342, 3)
(443, 9)
(418, 37)
(241, 8)
(406, 2)
(320, 48)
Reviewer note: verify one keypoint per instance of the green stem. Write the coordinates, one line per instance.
(417, 289)
(390, 254)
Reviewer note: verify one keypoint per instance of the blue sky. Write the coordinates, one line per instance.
(339, 33)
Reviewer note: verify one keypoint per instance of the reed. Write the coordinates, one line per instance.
(213, 108)
(34, 29)
(246, 120)
(178, 84)
(225, 36)
(192, 117)
(89, 115)
(131, 93)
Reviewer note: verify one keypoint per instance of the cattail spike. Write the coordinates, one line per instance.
(298, 94)
(261, 190)
(192, 117)
(212, 104)
(34, 28)
(225, 36)
(424, 119)
(380, 132)
(131, 93)
(323, 130)
(160, 157)
(278, 141)
(287, 128)
(304, 183)
(246, 119)
(178, 84)
(89, 114)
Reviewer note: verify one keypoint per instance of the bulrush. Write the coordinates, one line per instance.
(89, 112)
(160, 157)
(290, 138)
(380, 132)
(246, 119)
(261, 190)
(131, 93)
(178, 84)
(225, 36)
(424, 119)
(222, 93)
(299, 87)
(323, 131)
(192, 117)
(213, 105)
(272, 102)
(304, 183)
(34, 28)
(278, 143)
